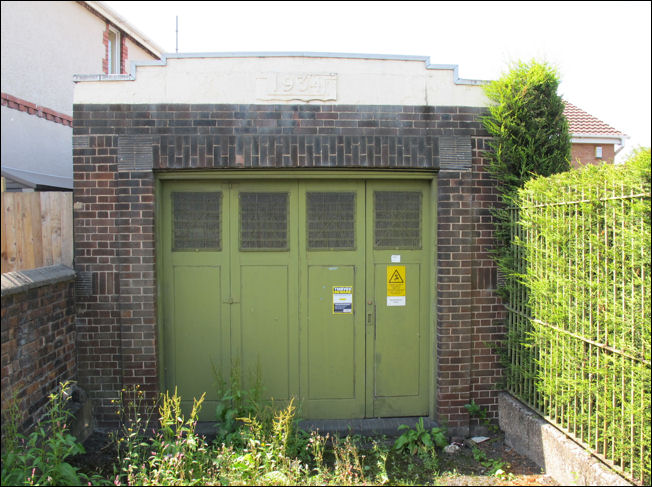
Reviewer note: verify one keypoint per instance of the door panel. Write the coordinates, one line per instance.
(331, 336)
(332, 256)
(197, 332)
(396, 354)
(265, 334)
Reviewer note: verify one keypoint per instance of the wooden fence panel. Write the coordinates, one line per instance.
(36, 230)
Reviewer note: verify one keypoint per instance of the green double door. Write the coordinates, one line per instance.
(320, 289)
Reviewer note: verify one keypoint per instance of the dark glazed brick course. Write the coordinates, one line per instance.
(235, 136)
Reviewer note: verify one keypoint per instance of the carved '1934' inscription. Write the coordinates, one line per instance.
(296, 86)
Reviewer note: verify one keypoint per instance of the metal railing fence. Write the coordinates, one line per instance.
(579, 318)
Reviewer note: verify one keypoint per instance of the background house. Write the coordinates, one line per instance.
(43, 45)
(593, 140)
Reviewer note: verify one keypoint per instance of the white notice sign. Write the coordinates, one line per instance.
(395, 300)
(342, 299)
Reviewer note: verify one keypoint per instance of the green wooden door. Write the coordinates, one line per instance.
(397, 271)
(195, 283)
(332, 310)
(264, 286)
(289, 279)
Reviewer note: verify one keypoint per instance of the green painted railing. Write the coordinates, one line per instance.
(579, 313)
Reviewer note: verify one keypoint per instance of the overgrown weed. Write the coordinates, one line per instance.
(158, 445)
(40, 458)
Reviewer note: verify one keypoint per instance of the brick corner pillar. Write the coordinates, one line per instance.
(114, 259)
(488, 311)
(137, 285)
(454, 299)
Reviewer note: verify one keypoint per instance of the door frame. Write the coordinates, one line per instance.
(316, 174)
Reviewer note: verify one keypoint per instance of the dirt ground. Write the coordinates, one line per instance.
(457, 469)
(463, 469)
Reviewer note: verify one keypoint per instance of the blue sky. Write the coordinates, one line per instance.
(601, 49)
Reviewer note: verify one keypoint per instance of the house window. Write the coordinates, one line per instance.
(114, 51)
(598, 152)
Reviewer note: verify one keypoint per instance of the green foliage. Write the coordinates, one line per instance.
(527, 123)
(40, 457)
(584, 245)
(419, 440)
(494, 466)
(234, 403)
(271, 450)
(173, 455)
(529, 137)
(477, 411)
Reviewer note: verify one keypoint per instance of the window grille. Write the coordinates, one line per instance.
(330, 221)
(397, 220)
(196, 221)
(264, 221)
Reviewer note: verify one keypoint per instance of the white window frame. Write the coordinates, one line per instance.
(114, 52)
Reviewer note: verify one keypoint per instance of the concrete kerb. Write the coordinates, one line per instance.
(342, 427)
(562, 458)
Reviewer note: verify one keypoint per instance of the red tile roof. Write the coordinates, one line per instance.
(580, 122)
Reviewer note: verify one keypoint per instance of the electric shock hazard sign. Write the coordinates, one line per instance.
(395, 285)
(342, 299)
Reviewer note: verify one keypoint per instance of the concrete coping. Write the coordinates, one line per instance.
(22, 281)
(566, 461)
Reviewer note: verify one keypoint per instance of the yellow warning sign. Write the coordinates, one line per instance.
(395, 280)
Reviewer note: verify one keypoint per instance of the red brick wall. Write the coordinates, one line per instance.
(585, 153)
(469, 311)
(115, 240)
(123, 52)
(114, 243)
(105, 41)
(38, 347)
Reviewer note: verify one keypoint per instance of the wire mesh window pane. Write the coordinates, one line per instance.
(196, 221)
(330, 220)
(263, 221)
(397, 220)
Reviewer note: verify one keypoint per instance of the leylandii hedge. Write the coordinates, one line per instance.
(529, 137)
(585, 240)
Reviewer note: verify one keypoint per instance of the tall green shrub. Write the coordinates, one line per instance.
(529, 137)
(527, 123)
